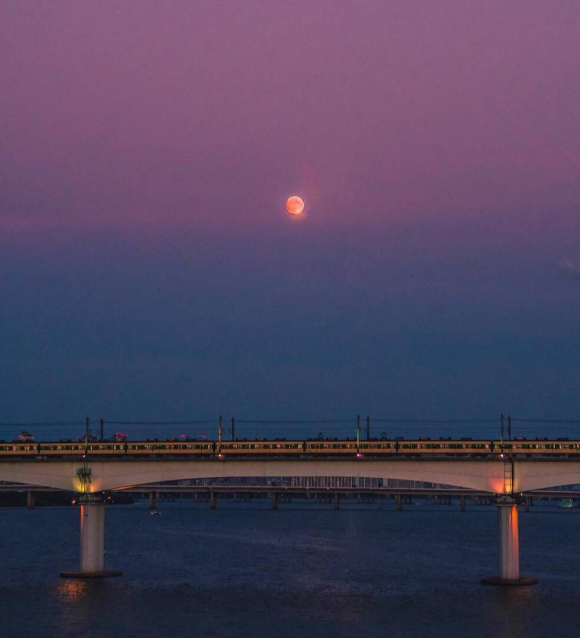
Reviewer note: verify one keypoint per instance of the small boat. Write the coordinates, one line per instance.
(154, 513)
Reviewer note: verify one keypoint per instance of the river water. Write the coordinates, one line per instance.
(304, 570)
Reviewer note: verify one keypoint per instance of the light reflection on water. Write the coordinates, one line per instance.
(71, 591)
(301, 571)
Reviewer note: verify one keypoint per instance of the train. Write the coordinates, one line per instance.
(243, 448)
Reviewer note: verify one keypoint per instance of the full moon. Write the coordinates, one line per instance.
(295, 205)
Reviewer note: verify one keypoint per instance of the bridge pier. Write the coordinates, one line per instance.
(152, 500)
(274, 497)
(92, 540)
(509, 545)
(527, 503)
(399, 500)
(212, 501)
(462, 504)
(337, 502)
(30, 500)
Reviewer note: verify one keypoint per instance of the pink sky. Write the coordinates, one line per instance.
(208, 115)
(147, 149)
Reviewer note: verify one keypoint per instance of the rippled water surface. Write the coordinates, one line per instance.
(304, 570)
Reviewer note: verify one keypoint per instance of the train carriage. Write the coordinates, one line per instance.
(459, 448)
(533, 448)
(246, 448)
(62, 447)
(332, 447)
(18, 449)
(108, 448)
(378, 447)
(193, 448)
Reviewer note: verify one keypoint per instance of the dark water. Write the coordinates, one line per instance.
(304, 570)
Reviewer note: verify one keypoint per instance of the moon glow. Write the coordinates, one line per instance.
(295, 205)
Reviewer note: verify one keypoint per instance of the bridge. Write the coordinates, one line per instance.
(505, 478)
(496, 476)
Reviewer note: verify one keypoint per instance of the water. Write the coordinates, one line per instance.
(304, 570)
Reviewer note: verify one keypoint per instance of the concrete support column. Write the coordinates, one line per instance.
(462, 504)
(337, 501)
(212, 501)
(527, 503)
(92, 541)
(509, 545)
(274, 497)
(92, 537)
(509, 541)
(152, 500)
(399, 500)
(30, 500)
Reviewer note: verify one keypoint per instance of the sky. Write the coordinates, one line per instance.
(149, 270)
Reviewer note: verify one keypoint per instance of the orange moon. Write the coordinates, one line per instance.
(295, 205)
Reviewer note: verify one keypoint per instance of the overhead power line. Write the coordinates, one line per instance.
(299, 422)
(191, 422)
(423, 421)
(42, 424)
(515, 420)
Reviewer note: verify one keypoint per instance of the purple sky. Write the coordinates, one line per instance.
(149, 268)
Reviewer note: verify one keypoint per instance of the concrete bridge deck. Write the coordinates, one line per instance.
(493, 476)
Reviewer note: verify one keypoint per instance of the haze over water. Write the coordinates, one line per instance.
(305, 570)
